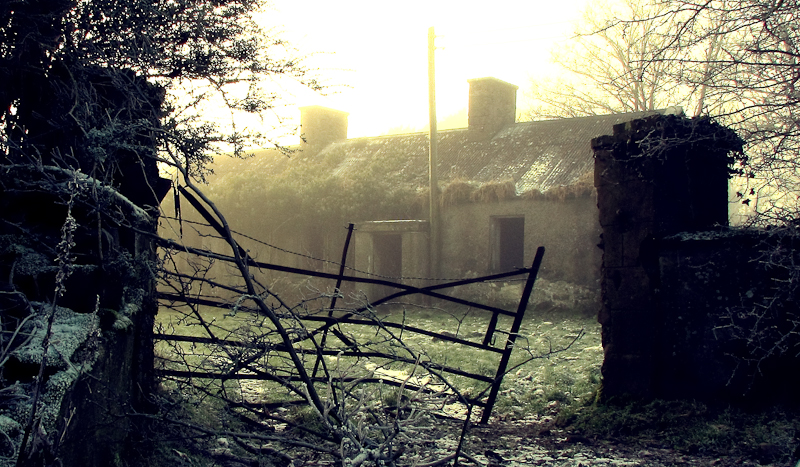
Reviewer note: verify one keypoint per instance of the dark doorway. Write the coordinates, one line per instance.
(388, 250)
(508, 243)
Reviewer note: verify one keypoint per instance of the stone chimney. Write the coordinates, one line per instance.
(321, 126)
(492, 105)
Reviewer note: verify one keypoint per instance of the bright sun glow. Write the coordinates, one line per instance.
(377, 52)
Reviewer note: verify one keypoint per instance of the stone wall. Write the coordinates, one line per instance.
(99, 363)
(679, 287)
(77, 275)
(728, 317)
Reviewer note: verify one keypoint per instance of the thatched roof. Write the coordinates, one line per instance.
(536, 155)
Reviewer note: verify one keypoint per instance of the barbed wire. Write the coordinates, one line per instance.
(335, 263)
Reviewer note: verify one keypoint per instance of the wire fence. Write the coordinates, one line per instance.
(336, 263)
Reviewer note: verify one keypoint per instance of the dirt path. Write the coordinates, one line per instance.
(533, 441)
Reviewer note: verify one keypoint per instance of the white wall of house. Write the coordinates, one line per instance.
(568, 230)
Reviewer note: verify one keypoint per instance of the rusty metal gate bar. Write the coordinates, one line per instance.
(349, 319)
(405, 289)
(330, 321)
(512, 336)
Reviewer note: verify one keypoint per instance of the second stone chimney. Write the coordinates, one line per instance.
(492, 105)
(321, 126)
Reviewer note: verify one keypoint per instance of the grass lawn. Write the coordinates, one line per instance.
(556, 357)
(554, 372)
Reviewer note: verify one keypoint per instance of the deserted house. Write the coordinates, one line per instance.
(505, 189)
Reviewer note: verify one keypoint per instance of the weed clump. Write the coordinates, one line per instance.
(457, 192)
(495, 191)
(692, 427)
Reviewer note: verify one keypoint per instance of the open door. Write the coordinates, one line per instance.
(388, 250)
(507, 243)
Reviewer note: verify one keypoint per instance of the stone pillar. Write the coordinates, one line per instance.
(98, 367)
(654, 177)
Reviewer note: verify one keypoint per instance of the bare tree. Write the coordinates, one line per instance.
(95, 97)
(618, 61)
(734, 60)
(751, 71)
(754, 76)
(737, 61)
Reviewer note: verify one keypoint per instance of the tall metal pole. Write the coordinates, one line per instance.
(435, 233)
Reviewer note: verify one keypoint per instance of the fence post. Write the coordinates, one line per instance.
(512, 336)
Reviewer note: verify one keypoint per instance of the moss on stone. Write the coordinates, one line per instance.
(69, 331)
